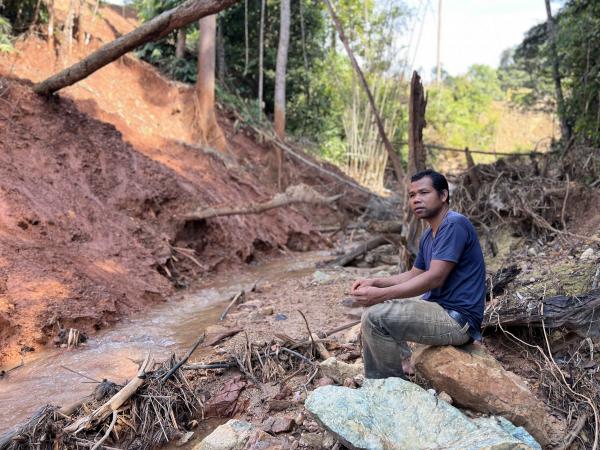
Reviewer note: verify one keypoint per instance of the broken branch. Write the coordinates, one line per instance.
(292, 195)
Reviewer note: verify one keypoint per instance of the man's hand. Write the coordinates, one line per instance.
(362, 283)
(368, 295)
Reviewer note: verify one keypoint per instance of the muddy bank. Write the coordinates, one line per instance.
(87, 222)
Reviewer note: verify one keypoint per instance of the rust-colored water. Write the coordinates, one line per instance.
(114, 354)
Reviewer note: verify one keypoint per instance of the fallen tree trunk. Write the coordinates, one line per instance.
(294, 194)
(154, 29)
(580, 314)
(359, 250)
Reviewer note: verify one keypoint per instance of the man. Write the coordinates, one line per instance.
(449, 270)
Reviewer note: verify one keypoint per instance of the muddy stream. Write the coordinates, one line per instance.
(114, 353)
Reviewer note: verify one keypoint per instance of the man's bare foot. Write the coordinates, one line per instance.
(408, 367)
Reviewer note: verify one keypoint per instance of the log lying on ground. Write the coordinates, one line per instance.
(154, 29)
(357, 251)
(580, 314)
(300, 193)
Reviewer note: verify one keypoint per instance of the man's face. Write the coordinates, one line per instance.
(425, 201)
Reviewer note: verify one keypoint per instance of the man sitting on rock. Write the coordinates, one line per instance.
(449, 271)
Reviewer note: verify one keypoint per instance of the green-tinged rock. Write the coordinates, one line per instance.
(396, 414)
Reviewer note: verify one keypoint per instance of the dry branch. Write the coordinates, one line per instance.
(115, 402)
(154, 29)
(236, 298)
(294, 194)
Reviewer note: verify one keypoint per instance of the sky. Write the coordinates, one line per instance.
(473, 31)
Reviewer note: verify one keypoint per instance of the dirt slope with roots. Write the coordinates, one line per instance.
(94, 184)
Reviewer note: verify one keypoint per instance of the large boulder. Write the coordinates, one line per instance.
(395, 414)
(476, 380)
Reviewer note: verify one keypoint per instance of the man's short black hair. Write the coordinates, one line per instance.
(440, 184)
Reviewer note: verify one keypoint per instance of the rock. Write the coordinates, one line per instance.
(282, 425)
(224, 404)
(278, 424)
(338, 371)
(321, 277)
(395, 414)
(328, 440)
(445, 397)
(475, 380)
(279, 405)
(280, 316)
(587, 255)
(531, 252)
(324, 381)
(352, 336)
(267, 311)
(259, 440)
(311, 440)
(232, 435)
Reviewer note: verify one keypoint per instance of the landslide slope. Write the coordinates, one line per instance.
(94, 184)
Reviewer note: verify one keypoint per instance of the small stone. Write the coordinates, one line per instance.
(324, 381)
(268, 311)
(311, 426)
(328, 440)
(338, 371)
(232, 435)
(444, 396)
(299, 418)
(299, 397)
(282, 425)
(280, 316)
(349, 382)
(321, 277)
(311, 440)
(532, 280)
(359, 379)
(432, 392)
(587, 255)
(531, 252)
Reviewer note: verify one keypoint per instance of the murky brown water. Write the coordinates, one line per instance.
(114, 354)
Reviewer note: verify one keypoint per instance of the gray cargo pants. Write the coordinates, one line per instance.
(387, 326)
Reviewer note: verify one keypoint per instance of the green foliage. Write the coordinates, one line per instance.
(459, 110)
(5, 32)
(21, 13)
(527, 71)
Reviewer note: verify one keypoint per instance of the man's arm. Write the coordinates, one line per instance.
(435, 277)
(383, 282)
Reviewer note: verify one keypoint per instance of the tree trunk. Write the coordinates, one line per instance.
(78, 33)
(206, 128)
(261, 42)
(393, 156)
(221, 69)
(68, 29)
(560, 101)
(50, 6)
(280, 74)
(417, 160)
(280, 70)
(180, 47)
(154, 29)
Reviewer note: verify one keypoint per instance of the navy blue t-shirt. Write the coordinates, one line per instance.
(464, 290)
